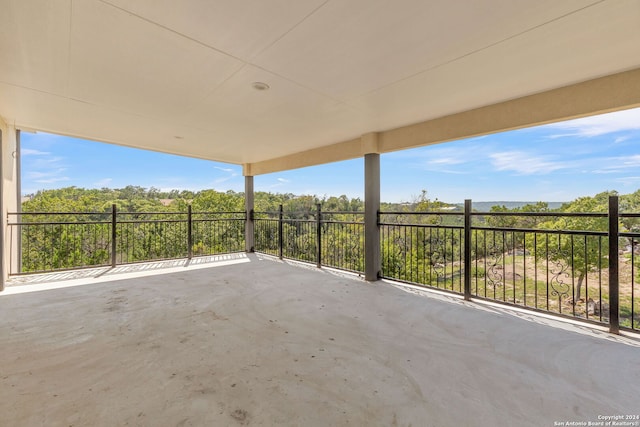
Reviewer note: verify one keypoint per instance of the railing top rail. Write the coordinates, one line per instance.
(632, 234)
(60, 223)
(150, 221)
(334, 221)
(127, 213)
(309, 212)
(217, 212)
(59, 213)
(447, 226)
(542, 230)
(456, 213)
(151, 213)
(526, 214)
(629, 215)
(544, 214)
(342, 213)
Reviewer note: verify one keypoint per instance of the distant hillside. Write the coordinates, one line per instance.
(486, 206)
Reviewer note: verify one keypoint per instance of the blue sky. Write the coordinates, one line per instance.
(556, 162)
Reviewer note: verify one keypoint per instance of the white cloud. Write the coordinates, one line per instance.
(604, 171)
(617, 164)
(230, 173)
(223, 169)
(103, 182)
(280, 182)
(32, 152)
(454, 172)
(629, 181)
(447, 161)
(48, 163)
(524, 163)
(52, 180)
(37, 175)
(49, 177)
(221, 180)
(631, 161)
(627, 120)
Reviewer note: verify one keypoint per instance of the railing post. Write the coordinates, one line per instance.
(113, 234)
(467, 249)
(280, 217)
(318, 236)
(614, 291)
(189, 233)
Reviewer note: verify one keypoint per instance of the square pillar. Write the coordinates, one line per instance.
(3, 273)
(372, 265)
(249, 235)
(9, 197)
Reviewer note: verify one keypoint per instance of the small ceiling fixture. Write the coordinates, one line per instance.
(260, 86)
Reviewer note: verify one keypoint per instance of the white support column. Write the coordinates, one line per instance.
(8, 197)
(3, 131)
(16, 243)
(248, 206)
(372, 265)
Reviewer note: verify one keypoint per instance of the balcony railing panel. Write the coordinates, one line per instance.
(61, 240)
(629, 274)
(266, 226)
(331, 239)
(342, 240)
(51, 241)
(553, 271)
(537, 261)
(423, 248)
(150, 237)
(216, 233)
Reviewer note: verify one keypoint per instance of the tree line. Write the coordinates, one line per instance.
(139, 199)
(166, 239)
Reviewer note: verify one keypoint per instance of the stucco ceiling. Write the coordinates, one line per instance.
(176, 76)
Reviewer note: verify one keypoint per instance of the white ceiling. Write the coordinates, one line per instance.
(176, 76)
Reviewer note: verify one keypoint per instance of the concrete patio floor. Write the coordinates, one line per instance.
(254, 341)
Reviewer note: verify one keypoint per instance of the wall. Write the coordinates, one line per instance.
(8, 193)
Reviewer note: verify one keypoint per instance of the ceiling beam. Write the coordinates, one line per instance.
(601, 95)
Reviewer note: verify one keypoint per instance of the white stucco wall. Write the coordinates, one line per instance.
(9, 181)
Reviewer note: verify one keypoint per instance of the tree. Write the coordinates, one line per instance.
(575, 255)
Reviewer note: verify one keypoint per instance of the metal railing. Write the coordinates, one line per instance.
(424, 248)
(52, 241)
(578, 265)
(629, 276)
(325, 238)
(540, 261)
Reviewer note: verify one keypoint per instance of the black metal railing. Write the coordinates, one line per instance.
(215, 233)
(325, 238)
(559, 271)
(51, 241)
(569, 264)
(629, 273)
(424, 248)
